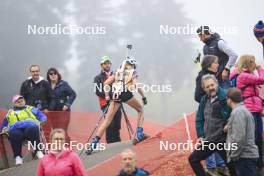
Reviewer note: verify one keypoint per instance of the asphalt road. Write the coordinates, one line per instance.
(30, 168)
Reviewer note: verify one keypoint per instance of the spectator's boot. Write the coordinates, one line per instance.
(39, 154)
(223, 171)
(212, 172)
(18, 160)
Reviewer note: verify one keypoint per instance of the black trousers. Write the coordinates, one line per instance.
(258, 136)
(245, 166)
(18, 136)
(201, 154)
(113, 130)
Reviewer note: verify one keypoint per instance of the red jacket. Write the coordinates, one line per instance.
(99, 81)
(249, 84)
(67, 164)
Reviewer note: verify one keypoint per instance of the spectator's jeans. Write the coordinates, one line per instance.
(214, 161)
(113, 130)
(245, 167)
(201, 154)
(258, 136)
(17, 137)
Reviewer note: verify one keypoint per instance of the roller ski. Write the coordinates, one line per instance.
(140, 136)
(93, 146)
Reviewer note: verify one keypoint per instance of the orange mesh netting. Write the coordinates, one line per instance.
(151, 158)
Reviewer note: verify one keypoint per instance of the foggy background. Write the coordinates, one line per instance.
(163, 58)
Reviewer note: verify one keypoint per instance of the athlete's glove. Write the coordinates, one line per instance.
(145, 101)
(107, 99)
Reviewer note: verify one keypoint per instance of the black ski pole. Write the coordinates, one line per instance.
(96, 126)
(129, 126)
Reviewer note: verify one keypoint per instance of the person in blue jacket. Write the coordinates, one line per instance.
(129, 165)
(22, 122)
(62, 97)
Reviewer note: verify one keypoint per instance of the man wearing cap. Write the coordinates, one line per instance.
(113, 131)
(214, 45)
(259, 33)
(36, 90)
(22, 123)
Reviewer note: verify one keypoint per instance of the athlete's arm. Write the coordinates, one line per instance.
(107, 83)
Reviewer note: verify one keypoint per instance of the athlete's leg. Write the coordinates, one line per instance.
(133, 102)
(113, 107)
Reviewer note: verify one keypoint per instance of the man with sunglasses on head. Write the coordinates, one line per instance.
(113, 131)
(36, 90)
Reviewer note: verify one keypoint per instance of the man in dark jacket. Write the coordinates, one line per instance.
(129, 165)
(214, 45)
(259, 33)
(113, 131)
(209, 66)
(211, 118)
(36, 90)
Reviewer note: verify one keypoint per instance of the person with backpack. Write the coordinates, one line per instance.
(243, 78)
(216, 46)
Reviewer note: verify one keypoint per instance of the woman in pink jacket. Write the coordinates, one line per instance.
(60, 161)
(249, 83)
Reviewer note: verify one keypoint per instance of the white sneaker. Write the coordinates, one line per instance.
(39, 154)
(19, 160)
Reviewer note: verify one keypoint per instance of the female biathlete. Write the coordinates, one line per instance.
(123, 83)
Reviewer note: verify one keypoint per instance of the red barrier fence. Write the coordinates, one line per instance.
(78, 126)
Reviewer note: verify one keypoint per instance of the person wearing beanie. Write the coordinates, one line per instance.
(259, 33)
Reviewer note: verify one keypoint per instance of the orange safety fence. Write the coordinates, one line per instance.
(156, 160)
(78, 126)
